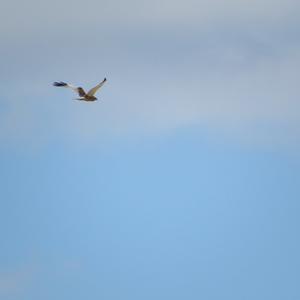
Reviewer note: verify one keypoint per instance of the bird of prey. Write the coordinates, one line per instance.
(89, 96)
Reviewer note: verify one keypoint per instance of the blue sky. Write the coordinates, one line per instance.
(181, 182)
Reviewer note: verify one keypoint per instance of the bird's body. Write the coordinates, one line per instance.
(87, 98)
(83, 96)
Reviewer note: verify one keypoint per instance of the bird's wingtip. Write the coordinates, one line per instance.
(59, 83)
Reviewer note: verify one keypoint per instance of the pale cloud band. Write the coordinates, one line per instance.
(218, 75)
(38, 16)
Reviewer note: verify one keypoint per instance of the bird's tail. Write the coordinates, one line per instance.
(60, 84)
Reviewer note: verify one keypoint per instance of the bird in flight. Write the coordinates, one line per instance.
(89, 96)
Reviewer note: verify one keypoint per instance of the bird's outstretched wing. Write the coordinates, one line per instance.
(93, 91)
(78, 90)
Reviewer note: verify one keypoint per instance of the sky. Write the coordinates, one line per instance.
(181, 182)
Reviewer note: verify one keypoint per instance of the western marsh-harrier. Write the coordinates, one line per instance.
(89, 96)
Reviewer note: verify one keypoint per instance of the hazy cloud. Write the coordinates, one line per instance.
(33, 16)
(229, 67)
(14, 283)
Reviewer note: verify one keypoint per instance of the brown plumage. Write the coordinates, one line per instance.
(89, 96)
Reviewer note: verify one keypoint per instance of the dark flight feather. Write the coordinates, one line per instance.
(60, 84)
